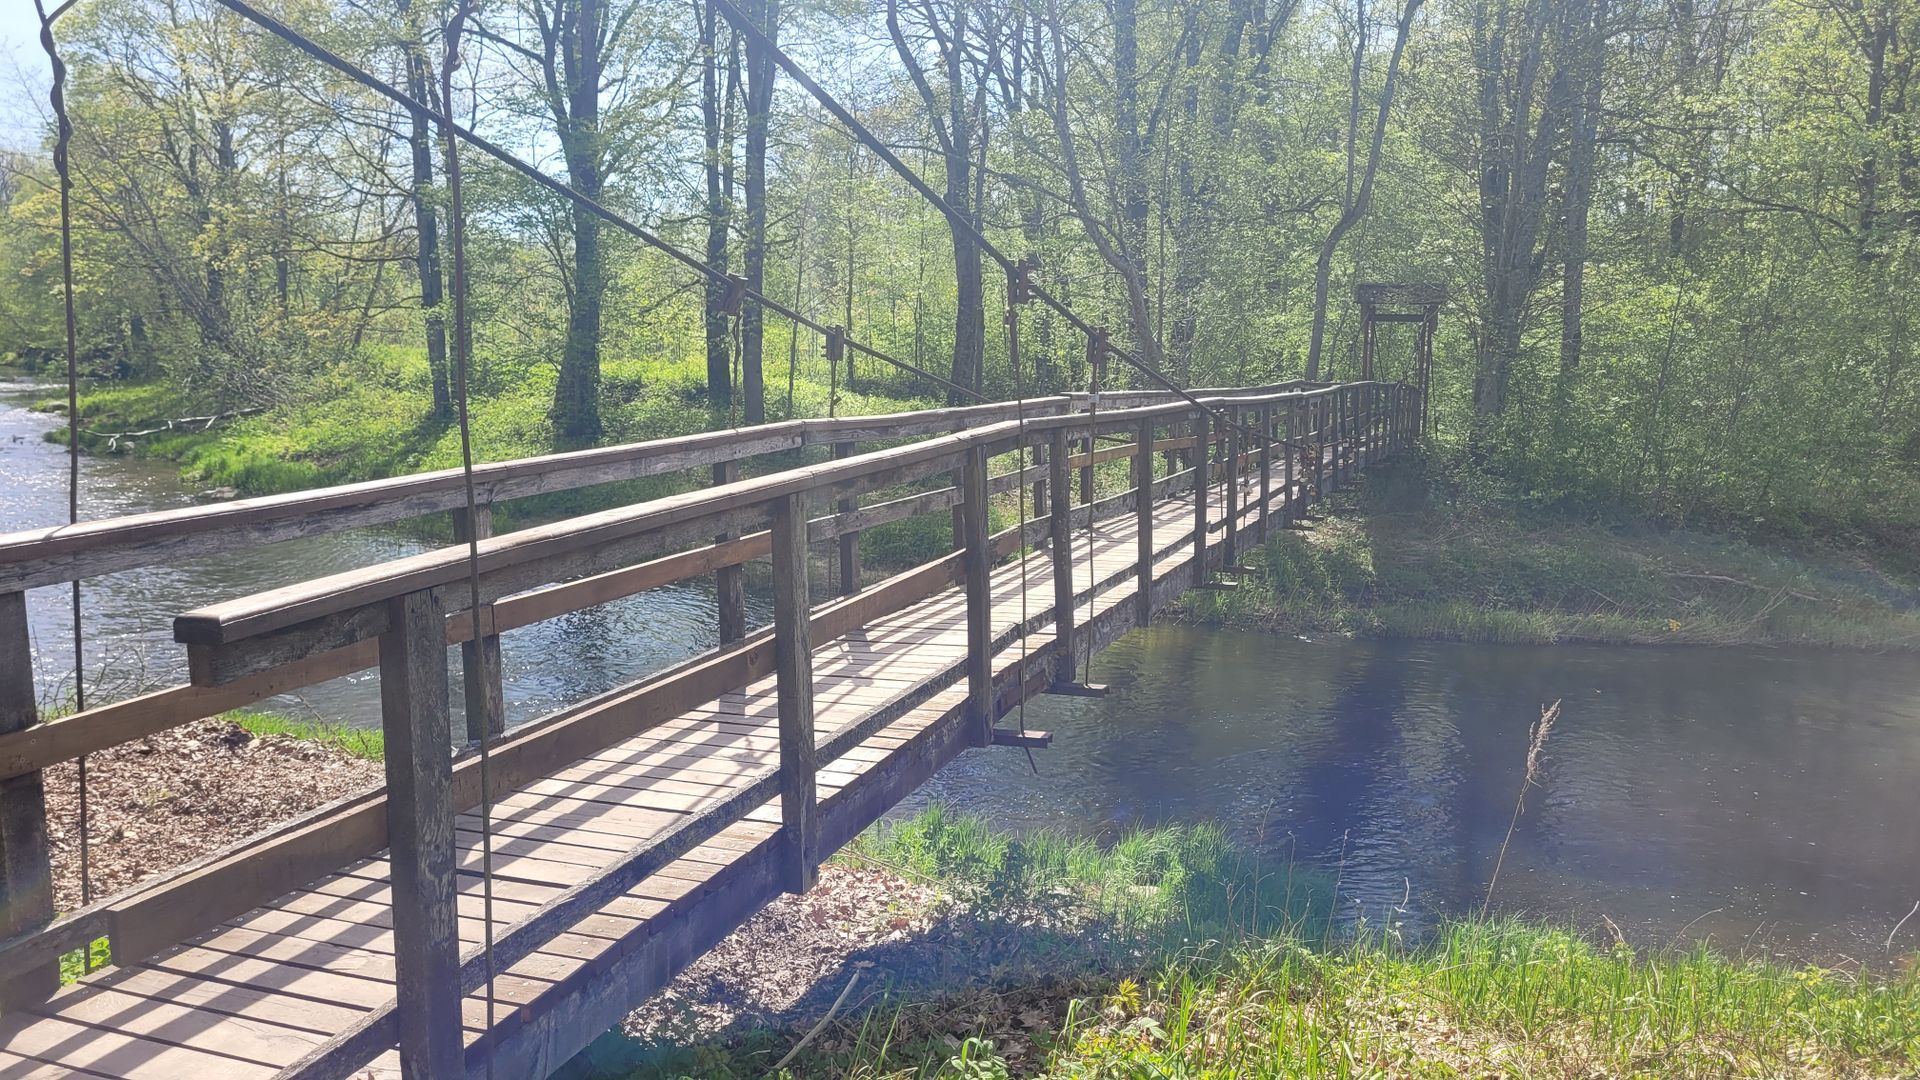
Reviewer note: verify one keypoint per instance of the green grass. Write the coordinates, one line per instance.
(1207, 995)
(372, 419)
(1410, 554)
(1164, 885)
(365, 743)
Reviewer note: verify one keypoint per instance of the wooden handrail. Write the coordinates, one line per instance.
(48, 556)
(555, 547)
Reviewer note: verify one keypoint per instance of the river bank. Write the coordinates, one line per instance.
(1410, 554)
(938, 947)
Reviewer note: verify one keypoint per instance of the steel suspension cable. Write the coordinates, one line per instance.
(482, 616)
(620, 221)
(960, 221)
(1016, 296)
(63, 170)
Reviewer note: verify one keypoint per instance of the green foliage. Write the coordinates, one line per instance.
(1166, 884)
(366, 743)
(1292, 999)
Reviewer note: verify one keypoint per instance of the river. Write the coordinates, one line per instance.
(1761, 798)
(128, 616)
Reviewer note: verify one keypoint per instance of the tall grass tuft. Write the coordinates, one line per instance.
(1536, 750)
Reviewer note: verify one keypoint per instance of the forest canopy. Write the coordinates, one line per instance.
(1679, 238)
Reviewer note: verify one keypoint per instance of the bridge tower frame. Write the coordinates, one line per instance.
(1405, 302)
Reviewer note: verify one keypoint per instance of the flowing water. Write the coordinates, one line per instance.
(1760, 797)
(1763, 798)
(128, 616)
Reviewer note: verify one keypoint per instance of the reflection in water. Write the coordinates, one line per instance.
(128, 616)
(1759, 797)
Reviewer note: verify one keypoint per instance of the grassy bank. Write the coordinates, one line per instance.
(1208, 964)
(1412, 553)
(374, 420)
(367, 744)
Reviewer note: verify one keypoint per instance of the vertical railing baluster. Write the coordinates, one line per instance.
(1266, 469)
(849, 540)
(979, 584)
(418, 735)
(1232, 549)
(481, 678)
(1202, 447)
(1060, 532)
(793, 677)
(1290, 416)
(26, 874)
(1041, 457)
(1143, 520)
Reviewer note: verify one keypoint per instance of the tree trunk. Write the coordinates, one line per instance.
(1583, 132)
(715, 116)
(1362, 196)
(427, 231)
(760, 75)
(1131, 165)
(576, 397)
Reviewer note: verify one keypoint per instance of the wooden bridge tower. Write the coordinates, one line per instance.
(1406, 302)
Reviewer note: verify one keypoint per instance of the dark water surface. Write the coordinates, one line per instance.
(1767, 799)
(1764, 798)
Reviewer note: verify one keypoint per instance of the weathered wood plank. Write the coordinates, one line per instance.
(793, 666)
(979, 567)
(1059, 526)
(26, 876)
(413, 709)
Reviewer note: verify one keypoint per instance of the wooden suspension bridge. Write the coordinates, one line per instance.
(631, 831)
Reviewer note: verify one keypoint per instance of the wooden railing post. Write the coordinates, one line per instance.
(480, 672)
(426, 941)
(1233, 484)
(26, 875)
(1266, 469)
(793, 674)
(979, 567)
(1320, 409)
(1060, 531)
(1143, 519)
(1041, 456)
(1202, 445)
(1289, 417)
(1342, 401)
(729, 582)
(849, 541)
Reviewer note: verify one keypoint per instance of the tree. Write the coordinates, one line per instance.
(1355, 200)
(572, 37)
(957, 114)
(765, 15)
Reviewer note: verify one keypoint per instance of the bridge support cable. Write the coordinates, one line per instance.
(444, 996)
(593, 206)
(748, 28)
(26, 869)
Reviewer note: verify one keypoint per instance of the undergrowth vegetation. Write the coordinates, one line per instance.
(1418, 551)
(1236, 972)
(374, 419)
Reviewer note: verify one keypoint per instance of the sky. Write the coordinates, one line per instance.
(23, 73)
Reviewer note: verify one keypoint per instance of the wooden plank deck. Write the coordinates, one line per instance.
(254, 995)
